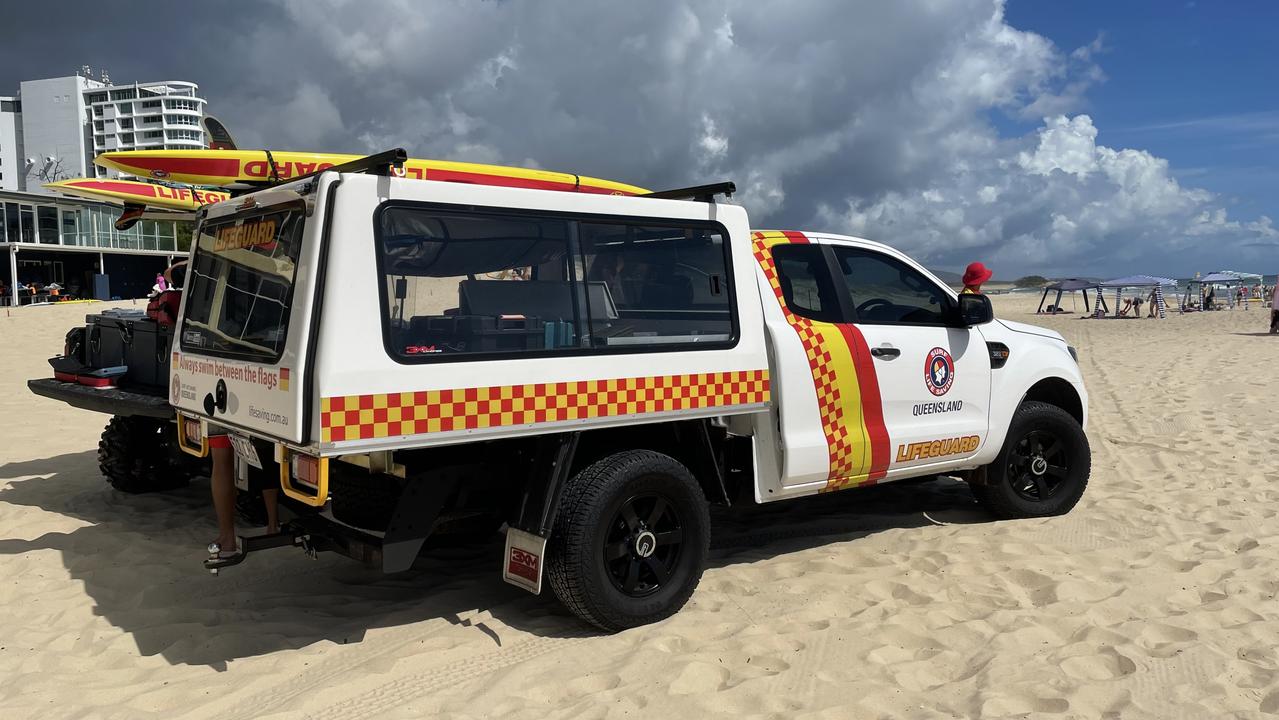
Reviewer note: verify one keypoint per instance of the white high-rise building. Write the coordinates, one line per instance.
(53, 128)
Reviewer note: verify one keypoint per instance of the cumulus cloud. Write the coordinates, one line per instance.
(855, 116)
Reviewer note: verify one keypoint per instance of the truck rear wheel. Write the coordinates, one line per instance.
(140, 454)
(1042, 469)
(630, 540)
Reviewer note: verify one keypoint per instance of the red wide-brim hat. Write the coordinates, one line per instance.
(976, 274)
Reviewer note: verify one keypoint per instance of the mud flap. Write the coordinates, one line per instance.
(523, 560)
(411, 525)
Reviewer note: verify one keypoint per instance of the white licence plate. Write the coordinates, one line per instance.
(244, 450)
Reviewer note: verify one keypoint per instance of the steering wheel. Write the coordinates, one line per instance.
(865, 308)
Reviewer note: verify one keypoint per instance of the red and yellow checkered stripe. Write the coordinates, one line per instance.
(361, 417)
(847, 387)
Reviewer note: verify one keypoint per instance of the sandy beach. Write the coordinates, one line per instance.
(1155, 598)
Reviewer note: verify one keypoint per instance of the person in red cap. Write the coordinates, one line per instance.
(974, 276)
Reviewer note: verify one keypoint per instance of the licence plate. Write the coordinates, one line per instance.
(244, 450)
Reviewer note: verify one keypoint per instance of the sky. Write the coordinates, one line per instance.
(1058, 138)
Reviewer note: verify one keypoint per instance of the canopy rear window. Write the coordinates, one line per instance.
(240, 286)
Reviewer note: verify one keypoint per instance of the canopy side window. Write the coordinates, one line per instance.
(460, 282)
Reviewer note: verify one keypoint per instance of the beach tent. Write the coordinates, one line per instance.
(1155, 282)
(1065, 286)
(1228, 278)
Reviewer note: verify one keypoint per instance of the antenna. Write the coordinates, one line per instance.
(106, 77)
(85, 71)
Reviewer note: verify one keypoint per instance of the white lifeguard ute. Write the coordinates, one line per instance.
(589, 372)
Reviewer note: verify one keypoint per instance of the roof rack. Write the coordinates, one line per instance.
(388, 162)
(701, 193)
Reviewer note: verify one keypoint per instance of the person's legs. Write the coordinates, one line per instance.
(1274, 321)
(223, 486)
(271, 499)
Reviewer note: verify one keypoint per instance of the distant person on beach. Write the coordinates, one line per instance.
(1274, 311)
(1209, 297)
(974, 276)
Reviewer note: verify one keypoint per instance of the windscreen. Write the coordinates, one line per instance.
(240, 285)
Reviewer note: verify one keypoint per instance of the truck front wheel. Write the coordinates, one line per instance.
(1042, 469)
(140, 454)
(629, 541)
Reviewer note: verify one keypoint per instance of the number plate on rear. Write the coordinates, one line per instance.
(244, 450)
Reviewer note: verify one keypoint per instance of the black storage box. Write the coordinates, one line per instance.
(132, 339)
(474, 333)
(105, 339)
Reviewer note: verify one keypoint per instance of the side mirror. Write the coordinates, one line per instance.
(974, 310)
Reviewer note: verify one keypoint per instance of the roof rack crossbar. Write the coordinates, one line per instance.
(387, 162)
(702, 193)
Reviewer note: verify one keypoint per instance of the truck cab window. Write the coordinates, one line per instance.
(885, 290)
(807, 288)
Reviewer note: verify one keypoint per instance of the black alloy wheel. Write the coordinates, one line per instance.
(643, 545)
(1038, 466)
(1042, 468)
(629, 541)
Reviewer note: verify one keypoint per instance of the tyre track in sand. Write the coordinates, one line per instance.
(466, 671)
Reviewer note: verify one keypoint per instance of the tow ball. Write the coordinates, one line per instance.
(287, 537)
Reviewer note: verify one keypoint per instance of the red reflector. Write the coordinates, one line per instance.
(95, 381)
(191, 428)
(306, 470)
(64, 377)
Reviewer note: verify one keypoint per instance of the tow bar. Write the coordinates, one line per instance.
(286, 537)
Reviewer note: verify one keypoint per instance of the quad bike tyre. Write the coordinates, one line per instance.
(141, 454)
(630, 540)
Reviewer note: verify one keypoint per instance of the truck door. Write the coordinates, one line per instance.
(934, 377)
(829, 418)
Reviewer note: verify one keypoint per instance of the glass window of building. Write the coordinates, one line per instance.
(48, 224)
(28, 223)
(69, 228)
(12, 223)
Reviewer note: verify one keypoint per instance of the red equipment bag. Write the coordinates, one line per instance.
(163, 308)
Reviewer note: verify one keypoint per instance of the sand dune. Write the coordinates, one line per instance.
(1155, 598)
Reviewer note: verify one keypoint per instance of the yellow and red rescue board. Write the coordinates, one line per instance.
(250, 167)
(132, 192)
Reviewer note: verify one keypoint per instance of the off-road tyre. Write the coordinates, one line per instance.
(590, 522)
(141, 454)
(1015, 487)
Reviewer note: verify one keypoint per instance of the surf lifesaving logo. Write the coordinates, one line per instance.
(939, 371)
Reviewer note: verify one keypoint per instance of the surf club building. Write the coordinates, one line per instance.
(47, 240)
(51, 129)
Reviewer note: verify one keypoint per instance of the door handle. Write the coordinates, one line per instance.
(885, 351)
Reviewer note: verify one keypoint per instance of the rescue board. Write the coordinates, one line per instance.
(247, 168)
(133, 192)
